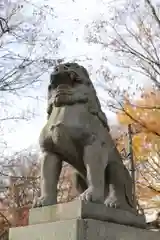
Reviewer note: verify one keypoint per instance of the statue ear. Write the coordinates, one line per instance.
(85, 76)
(78, 79)
(85, 73)
(82, 80)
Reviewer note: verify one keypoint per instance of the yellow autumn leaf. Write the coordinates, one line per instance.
(145, 120)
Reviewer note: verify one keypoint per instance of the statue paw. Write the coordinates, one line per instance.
(42, 202)
(93, 195)
(112, 202)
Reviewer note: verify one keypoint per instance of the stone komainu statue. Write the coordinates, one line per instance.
(77, 132)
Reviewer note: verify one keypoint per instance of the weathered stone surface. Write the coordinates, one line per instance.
(84, 210)
(97, 230)
(63, 230)
(79, 229)
(58, 212)
(77, 132)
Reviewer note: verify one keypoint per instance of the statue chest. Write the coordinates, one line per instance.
(72, 116)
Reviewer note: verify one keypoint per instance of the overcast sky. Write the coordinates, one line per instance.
(70, 22)
(72, 17)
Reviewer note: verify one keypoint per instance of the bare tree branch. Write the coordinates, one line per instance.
(153, 11)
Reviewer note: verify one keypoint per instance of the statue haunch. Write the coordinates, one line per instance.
(77, 132)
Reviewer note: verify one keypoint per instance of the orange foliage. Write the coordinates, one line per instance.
(23, 216)
(144, 115)
(19, 216)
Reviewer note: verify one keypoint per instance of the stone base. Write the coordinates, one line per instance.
(84, 210)
(78, 220)
(81, 229)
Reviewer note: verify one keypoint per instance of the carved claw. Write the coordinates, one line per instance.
(42, 202)
(93, 195)
(112, 202)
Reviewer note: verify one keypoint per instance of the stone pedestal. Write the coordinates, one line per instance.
(82, 221)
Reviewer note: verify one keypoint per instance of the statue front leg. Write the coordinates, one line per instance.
(112, 199)
(51, 167)
(95, 163)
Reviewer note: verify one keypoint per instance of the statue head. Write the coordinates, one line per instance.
(69, 73)
(70, 84)
(63, 82)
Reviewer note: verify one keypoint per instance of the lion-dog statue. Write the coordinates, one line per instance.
(77, 132)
